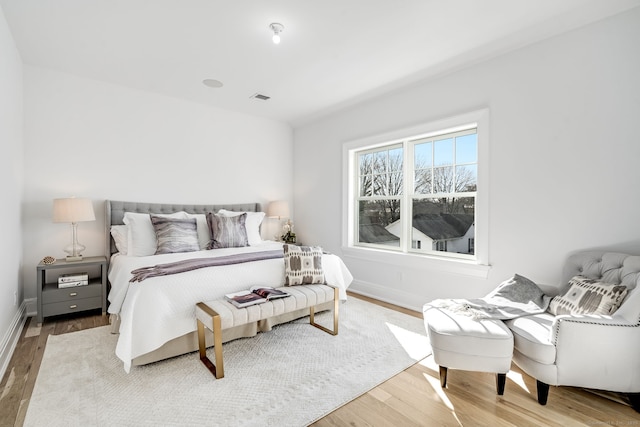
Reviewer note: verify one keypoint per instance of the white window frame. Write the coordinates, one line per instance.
(479, 264)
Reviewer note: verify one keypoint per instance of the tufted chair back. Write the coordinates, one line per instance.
(609, 267)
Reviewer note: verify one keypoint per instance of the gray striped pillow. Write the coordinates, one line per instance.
(227, 231)
(175, 235)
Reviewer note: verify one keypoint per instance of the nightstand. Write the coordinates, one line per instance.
(53, 300)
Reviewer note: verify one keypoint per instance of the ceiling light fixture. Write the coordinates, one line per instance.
(212, 83)
(277, 29)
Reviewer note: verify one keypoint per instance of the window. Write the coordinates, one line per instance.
(443, 198)
(380, 177)
(419, 194)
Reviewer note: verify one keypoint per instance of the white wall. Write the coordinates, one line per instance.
(11, 181)
(92, 139)
(564, 152)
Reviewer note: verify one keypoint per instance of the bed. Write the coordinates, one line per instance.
(155, 317)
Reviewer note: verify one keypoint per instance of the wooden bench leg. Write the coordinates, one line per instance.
(335, 315)
(216, 327)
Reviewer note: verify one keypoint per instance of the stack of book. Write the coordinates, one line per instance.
(72, 280)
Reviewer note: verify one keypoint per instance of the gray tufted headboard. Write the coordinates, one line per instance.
(115, 213)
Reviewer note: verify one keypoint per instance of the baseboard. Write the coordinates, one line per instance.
(32, 307)
(10, 340)
(383, 293)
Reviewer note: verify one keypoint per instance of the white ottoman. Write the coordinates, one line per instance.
(462, 342)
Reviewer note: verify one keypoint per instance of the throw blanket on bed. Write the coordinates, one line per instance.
(140, 274)
(513, 298)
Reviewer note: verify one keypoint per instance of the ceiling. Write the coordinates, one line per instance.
(333, 53)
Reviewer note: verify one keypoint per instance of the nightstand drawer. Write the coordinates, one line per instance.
(71, 294)
(70, 306)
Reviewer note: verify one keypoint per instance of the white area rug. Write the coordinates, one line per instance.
(290, 376)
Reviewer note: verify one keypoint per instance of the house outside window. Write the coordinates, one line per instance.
(421, 194)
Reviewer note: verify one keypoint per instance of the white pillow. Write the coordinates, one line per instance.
(252, 224)
(203, 229)
(120, 236)
(142, 237)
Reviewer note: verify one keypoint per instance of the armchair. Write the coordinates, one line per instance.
(590, 351)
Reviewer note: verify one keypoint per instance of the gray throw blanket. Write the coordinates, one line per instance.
(513, 298)
(140, 274)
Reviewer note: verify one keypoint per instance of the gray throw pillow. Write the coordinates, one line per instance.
(520, 290)
(175, 235)
(227, 231)
(303, 265)
(588, 296)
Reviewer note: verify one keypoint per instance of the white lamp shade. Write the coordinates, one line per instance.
(73, 210)
(278, 209)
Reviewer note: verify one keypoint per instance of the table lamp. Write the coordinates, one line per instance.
(73, 211)
(280, 209)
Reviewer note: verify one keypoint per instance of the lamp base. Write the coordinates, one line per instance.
(75, 249)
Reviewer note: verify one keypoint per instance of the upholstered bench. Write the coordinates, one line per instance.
(462, 342)
(219, 315)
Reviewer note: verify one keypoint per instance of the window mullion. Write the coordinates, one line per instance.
(407, 193)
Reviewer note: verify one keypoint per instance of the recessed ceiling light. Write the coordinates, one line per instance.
(212, 83)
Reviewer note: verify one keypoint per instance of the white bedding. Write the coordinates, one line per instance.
(159, 309)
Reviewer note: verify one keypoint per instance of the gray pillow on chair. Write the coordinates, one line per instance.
(588, 296)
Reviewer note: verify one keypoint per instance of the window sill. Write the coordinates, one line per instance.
(424, 262)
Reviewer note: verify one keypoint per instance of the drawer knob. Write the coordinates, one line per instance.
(73, 294)
(73, 306)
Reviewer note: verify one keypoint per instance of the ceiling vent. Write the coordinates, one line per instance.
(260, 96)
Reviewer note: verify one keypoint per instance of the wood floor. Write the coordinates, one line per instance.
(411, 398)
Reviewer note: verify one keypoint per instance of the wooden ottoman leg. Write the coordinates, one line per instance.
(501, 380)
(443, 376)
